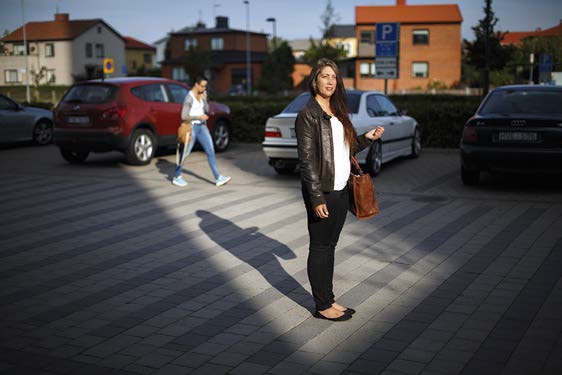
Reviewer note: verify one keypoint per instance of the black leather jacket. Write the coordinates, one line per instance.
(316, 150)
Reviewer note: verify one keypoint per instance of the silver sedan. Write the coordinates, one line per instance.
(19, 123)
(368, 109)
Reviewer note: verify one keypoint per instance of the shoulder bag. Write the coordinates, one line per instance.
(362, 199)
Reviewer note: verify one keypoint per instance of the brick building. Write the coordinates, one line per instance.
(430, 45)
(227, 48)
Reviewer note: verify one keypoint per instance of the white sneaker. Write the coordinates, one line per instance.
(179, 181)
(222, 180)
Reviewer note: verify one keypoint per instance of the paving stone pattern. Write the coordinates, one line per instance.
(109, 269)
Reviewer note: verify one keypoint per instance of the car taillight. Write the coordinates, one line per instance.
(469, 134)
(271, 131)
(114, 113)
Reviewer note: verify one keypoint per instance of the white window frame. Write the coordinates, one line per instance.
(420, 32)
(50, 52)
(7, 76)
(190, 42)
(217, 44)
(19, 49)
(420, 69)
(179, 74)
(367, 70)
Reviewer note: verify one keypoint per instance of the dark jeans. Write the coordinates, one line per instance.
(324, 235)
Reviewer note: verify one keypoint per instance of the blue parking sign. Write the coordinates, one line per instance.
(386, 43)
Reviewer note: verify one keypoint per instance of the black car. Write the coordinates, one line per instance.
(515, 129)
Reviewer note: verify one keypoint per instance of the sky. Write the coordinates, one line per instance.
(150, 20)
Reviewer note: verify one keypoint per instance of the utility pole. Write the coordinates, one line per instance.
(248, 68)
(26, 51)
(486, 75)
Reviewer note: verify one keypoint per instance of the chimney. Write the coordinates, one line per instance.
(61, 17)
(400, 2)
(222, 22)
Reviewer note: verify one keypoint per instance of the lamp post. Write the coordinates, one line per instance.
(248, 68)
(272, 19)
(27, 95)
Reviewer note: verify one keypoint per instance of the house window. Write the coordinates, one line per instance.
(99, 50)
(367, 70)
(147, 58)
(344, 46)
(216, 44)
(420, 69)
(420, 37)
(99, 29)
(11, 76)
(88, 49)
(49, 50)
(134, 65)
(190, 44)
(51, 78)
(19, 49)
(179, 74)
(368, 37)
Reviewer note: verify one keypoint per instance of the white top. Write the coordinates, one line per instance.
(342, 166)
(197, 109)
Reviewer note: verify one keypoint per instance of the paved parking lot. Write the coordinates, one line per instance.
(109, 269)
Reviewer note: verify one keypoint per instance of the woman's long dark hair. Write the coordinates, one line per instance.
(338, 101)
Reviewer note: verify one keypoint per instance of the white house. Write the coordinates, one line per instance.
(61, 51)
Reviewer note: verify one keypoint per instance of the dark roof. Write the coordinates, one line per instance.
(214, 30)
(342, 31)
(62, 29)
(529, 87)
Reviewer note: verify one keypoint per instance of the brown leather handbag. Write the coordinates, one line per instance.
(184, 132)
(362, 199)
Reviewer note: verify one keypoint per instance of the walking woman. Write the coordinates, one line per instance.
(326, 141)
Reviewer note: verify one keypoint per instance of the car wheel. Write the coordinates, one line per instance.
(416, 144)
(470, 177)
(43, 133)
(221, 136)
(142, 147)
(74, 157)
(374, 159)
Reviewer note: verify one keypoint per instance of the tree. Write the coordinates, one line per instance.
(323, 48)
(278, 67)
(486, 53)
(198, 61)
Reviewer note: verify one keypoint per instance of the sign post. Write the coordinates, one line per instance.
(387, 51)
(545, 68)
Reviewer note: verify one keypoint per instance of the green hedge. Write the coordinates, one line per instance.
(441, 116)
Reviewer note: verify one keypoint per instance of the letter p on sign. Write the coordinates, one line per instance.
(387, 29)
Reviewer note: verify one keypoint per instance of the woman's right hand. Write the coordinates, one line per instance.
(321, 211)
(203, 117)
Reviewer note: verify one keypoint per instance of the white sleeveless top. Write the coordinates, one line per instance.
(197, 109)
(342, 166)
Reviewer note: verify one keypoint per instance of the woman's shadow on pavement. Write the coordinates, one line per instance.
(235, 239)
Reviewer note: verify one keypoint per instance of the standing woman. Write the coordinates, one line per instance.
(326, 141)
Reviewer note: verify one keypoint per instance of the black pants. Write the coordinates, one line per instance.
(324, 235)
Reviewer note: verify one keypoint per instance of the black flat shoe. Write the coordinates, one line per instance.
(349, 311)
(343, 318)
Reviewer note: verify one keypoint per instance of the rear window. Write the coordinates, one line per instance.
(90, 94)
(517, 102)
(300, 101)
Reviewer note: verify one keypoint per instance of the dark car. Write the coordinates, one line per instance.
(20, 124)
(515, 129)
(135, 115)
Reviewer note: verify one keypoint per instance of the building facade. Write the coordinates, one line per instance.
(226, 49)
(61, 52)
(430, 46)
(138, 55)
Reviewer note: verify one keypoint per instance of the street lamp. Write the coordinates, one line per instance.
(248, 68)
(272, 19)
(26, 50)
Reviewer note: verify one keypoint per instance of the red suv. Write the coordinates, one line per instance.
(135, 115)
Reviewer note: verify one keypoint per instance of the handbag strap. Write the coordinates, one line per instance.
(355, 164)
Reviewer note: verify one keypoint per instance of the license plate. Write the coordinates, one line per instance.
(518, 136)
(80, 120)
(293, 133)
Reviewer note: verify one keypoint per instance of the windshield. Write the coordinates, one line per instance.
(300, 101)
(90, 94)
(535, 102)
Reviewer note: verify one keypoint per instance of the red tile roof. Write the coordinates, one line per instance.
(448, 13)
(59, 29)
(516, 37)
(132, 43)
